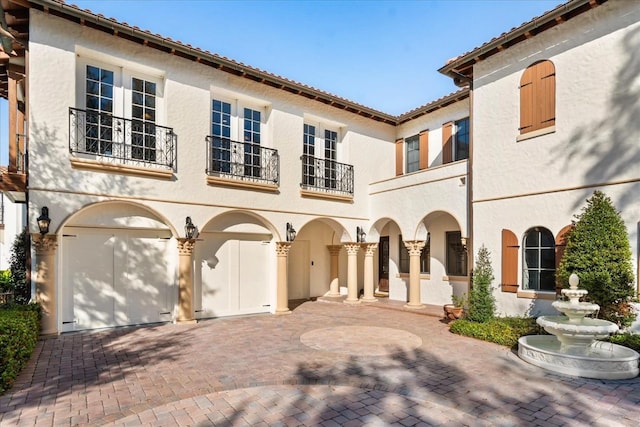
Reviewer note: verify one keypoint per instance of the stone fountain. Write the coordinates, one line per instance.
(573, 347)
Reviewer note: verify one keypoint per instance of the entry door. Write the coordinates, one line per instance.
(298, 270)
(383, 264)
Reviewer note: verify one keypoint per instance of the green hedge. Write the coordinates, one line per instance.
(627, 339)
(500, 330)
(19, 330)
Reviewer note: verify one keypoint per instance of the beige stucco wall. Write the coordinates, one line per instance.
(544, 181)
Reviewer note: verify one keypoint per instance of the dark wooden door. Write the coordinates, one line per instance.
(383, 264)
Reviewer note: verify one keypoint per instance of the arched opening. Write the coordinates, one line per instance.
(234, 266)
(117, 267)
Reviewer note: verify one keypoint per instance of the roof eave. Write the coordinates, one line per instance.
(462, 67)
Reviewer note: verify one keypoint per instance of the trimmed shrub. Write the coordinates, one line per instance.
(500, 330)
(598, 252)
(19, 330)
(482, 303)
(18, 267)
(627, 339)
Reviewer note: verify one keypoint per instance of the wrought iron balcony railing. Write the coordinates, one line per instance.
(119, 140)
(244, 161)
(326, 175)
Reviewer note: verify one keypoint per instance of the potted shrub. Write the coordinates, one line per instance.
(454, 310)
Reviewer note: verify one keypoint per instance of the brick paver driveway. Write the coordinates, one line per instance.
(326, 364)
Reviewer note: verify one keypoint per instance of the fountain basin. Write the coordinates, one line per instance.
(575, 311)
(602, 360)
(572, 332)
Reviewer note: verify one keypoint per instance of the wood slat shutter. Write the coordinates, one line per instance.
(510, 249)
(424, 149)
(561, 243)
(526, 100)
(447, 142)
(547, 93)
(399, 156)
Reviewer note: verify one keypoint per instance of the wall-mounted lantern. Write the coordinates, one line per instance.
(291, 232)
(361, 236)
(44, 220)
(189, 229)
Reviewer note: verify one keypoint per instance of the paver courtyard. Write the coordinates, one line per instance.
(325, 364)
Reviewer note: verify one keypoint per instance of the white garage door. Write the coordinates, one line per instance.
(231, 276)
(114, 278)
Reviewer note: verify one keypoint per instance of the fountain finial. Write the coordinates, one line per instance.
(574, 280)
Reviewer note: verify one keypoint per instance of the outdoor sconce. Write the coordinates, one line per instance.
(463, 242)
(44, 221)
(189, 229)
(291, 232)
(360, 235)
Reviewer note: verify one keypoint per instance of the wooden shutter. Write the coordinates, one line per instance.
(399, 156)
(561, 243)
(447, 142)
(510, 249)
(546, 93)
(526, 100)
(424, 149)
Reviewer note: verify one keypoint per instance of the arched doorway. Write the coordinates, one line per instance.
(117, 268)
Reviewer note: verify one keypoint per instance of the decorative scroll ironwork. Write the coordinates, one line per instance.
(326, 175)
(245, 161)
(118, 140)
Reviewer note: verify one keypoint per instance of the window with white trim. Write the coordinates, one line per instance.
(539, 260)
(461, 139)
(412, 147)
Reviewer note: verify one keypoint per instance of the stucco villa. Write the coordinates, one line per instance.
(168, 183)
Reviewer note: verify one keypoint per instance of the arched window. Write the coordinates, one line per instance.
(539, 260)
(538, 97)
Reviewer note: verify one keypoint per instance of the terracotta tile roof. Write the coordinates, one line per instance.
(441, 102)
(460, 68)
(133, 33)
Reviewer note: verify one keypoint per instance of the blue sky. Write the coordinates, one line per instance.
(383, 54)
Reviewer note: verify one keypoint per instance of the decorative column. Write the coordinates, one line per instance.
(369, 250)
(334, 285)
(282, 299)
(186, 313)
(352, 273)
(45, 278)
(415, 248)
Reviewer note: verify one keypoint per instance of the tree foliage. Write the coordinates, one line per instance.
(18, 267)
(482, 303)
(598, 252)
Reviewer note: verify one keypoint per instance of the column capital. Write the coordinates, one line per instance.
(369, 248)
(44, 243)
(414, 246)
(282, 248)
(334, 249)
(186, 246)
(352, 248)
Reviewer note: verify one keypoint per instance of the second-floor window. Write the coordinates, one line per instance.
(330, 155)
(538, 97)
(99, 104)
(119, 115)
(308, 155)
(461, 146)
(412, 146)
(252, 142)
(221, 132)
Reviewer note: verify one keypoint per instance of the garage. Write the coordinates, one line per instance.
(116, 277)
(232, 274)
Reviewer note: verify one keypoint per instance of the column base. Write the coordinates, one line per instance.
(352, 301)
(185, 321)
(282, 312)
(369, 299)
(335, 295)
(413, 306)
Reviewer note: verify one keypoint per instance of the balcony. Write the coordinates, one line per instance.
(326, 179)
(242, 164)
(100, 141)
(13, 178)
